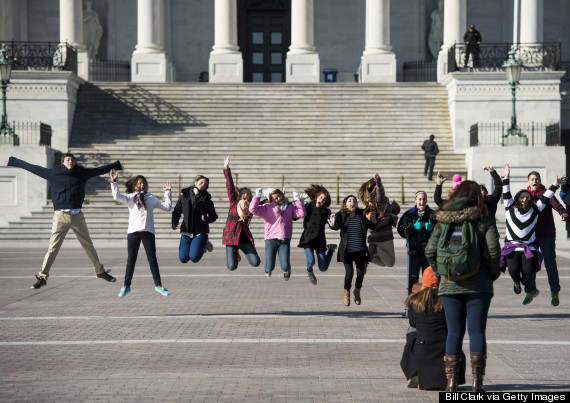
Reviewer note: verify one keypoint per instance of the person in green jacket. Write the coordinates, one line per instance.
(467, 301)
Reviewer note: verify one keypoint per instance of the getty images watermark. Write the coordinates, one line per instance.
(550, 397)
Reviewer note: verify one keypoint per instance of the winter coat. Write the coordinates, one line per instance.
(473, 37)
(314, 224)
(416, 239)
(430, 147)
(67, 185)
(341, 223)
(425, 348)
(456, 212)
(234, 227)
(278, 224)
(192, 207)
(545, 227)
(492, 200)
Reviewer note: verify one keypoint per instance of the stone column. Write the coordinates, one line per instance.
(302, 64)
(71, 31)
(378, 62)
(531, 27)
(226, 62)
(454, 27)
(150, 61)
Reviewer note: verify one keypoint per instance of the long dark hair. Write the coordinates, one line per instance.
(367, 196)
(315, 190)
(131, 183)
(470, 190)
(198, 177)
(517, 200)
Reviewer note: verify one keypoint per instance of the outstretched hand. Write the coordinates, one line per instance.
(560, 180)
(507, 171)
(376, 177)
(114, 175)
(488, 169)
(167, 186)
(227, 161)
(6, 163)
(440, 179)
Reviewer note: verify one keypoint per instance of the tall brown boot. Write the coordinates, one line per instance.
(346, 297)
(478, 364)
(357, 299)
(451, 371)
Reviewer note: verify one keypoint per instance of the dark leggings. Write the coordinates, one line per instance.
(134, 240)
(472, 308)
(519, 265)
(359, 259)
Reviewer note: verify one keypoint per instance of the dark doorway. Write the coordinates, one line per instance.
(264, 37)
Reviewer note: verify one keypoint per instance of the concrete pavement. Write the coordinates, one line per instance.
(239, 336)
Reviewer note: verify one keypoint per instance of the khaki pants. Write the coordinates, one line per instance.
(62, 222)
(382, 253)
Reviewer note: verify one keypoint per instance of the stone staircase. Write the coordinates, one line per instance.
(337, 135)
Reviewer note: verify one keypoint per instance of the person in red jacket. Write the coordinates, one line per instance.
(546, 238)
(237, 235)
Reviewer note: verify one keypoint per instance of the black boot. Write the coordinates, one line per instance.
(451, 371)
(478, 364)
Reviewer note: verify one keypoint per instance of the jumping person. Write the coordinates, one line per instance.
(521, 253)
(313, 239)
(141, 206)
(197, 210)
(278, 214)
(378, 208)
(352, 251)
(237, 235)
(67, 182)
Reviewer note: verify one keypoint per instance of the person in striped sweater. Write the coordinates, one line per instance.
(352, 250)
(520, 254)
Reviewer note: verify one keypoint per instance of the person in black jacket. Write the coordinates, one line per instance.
(431, 150)
(416, 225)
(492, 201)
(353, 225)
(422, 359)
(196, 206)
(472, 39)
(67, 182)
(313, 238)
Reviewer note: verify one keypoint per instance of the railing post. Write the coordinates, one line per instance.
(337, 187)
(179, 185)
(237, 180)
(402, 190)
(532, 131)
(282, 181)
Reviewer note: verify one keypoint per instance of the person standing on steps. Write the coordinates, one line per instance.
(237, 235)
(197, 210)
(67, 182)
(141, 206)
(430, 151)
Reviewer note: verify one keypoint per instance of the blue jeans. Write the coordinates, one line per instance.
(473, 308)
(134, 240)
(274, 246)
(323, 258)
(192, 248)
(248, 249)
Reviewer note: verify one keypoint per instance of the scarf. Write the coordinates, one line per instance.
(139, 199)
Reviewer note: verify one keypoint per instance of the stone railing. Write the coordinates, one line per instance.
(492, 56)
(29, 133)
(532, 134)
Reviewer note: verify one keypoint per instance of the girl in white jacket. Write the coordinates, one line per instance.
(141, 225)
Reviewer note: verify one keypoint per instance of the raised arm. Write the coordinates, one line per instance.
(42, 172)
(229, 181)
(118, 196)
(92, 172)
(547, 196)
(166, 205)
(507, 197)
(497, 184)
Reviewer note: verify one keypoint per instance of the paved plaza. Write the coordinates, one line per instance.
(239, 336)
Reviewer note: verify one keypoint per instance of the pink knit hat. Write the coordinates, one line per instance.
(456, 181)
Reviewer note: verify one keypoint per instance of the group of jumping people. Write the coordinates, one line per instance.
(366, 236)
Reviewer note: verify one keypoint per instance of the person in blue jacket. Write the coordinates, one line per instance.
(67, 182)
